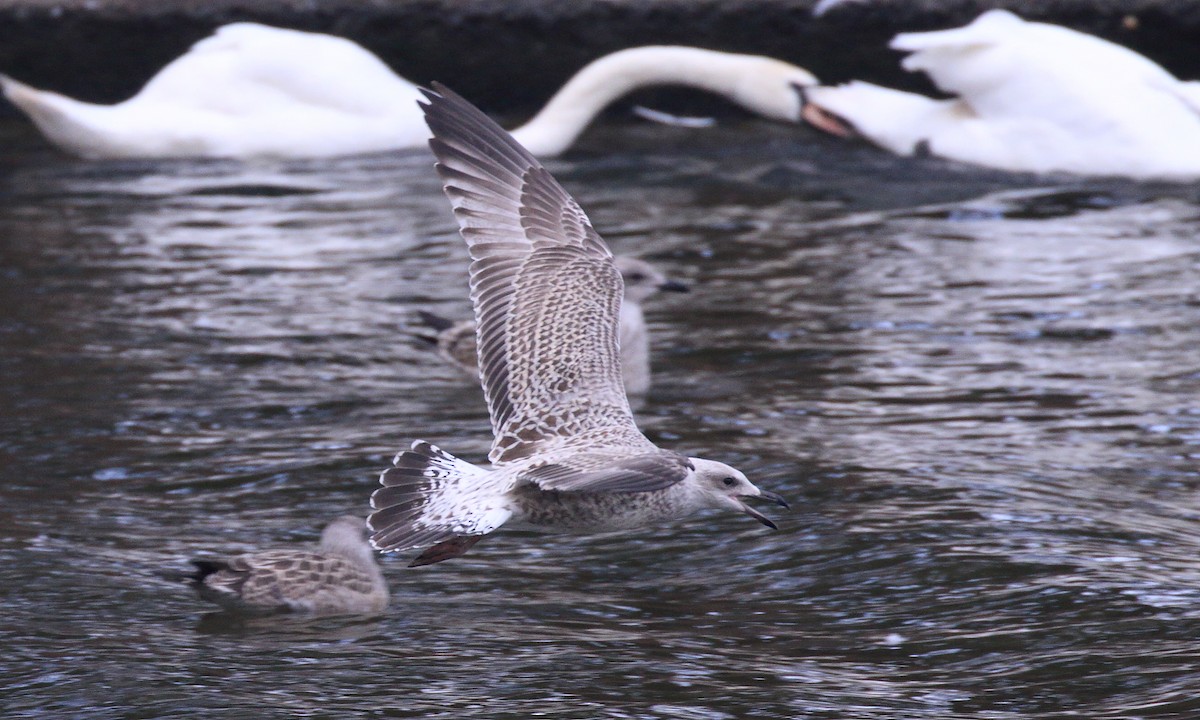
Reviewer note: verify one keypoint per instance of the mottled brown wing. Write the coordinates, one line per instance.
(546, 292)
(283, 579)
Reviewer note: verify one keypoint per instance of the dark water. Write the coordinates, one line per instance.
(980, 391)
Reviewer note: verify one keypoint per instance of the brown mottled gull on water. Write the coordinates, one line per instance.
(456, 340)
(340, 576)
(567, 455)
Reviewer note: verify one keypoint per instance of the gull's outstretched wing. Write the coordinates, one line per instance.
(546, 293)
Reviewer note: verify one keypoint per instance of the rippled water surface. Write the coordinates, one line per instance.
(981, 393)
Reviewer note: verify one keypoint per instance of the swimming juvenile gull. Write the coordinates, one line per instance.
(341, 576)
(456, 340)
(567, 455)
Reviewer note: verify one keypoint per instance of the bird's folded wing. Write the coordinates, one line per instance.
(598, 472)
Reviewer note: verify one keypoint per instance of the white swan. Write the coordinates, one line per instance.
(254, 90)
(247, 90)
(1031, 97)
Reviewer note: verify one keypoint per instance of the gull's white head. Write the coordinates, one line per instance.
(772, 88)
(643, 280)
(346, 536)
(724, 487)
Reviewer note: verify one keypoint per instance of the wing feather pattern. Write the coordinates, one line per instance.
(640, 473)
(546, 293)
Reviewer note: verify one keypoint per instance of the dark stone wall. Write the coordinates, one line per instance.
(510, 55)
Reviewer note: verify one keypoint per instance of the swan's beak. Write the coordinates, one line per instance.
(673, 286)
(831, 123)
(759, 516)
(821, 118)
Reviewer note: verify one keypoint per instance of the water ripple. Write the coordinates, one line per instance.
(978, 390)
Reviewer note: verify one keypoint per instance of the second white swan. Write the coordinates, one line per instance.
(1031, 97)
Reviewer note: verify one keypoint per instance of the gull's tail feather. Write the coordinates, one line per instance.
(455, 341)
(205, 568)
(434, 322)
(431, 499)
(219, 580)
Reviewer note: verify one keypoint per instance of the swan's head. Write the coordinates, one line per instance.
(643, 280)
(816, 112)
(899, 121)
(722, 486)
(772, 88)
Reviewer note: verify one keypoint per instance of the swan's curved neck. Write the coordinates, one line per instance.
(570, 111)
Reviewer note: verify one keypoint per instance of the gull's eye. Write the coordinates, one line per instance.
(729, 482)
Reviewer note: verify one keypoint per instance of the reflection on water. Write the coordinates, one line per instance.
(980, 392)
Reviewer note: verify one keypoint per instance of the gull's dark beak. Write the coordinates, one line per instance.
(673, 286)
(759, 516)
(775, 499)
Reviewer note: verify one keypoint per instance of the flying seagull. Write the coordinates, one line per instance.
(567, 455)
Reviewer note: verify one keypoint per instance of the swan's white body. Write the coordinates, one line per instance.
(1030, 97)
(249, 90)
(254, 90)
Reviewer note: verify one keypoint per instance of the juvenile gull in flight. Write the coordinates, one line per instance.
(567, 455)
(456, 340)
(340, 576)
